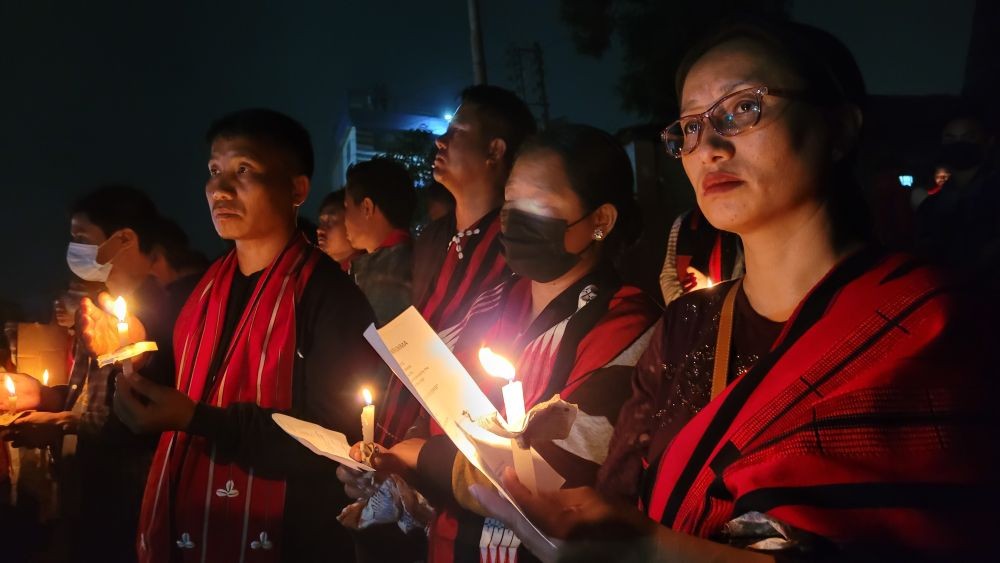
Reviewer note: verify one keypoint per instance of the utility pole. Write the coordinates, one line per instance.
(476, 40)
(527, 72)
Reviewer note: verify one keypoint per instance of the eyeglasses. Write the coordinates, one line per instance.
(729, 116)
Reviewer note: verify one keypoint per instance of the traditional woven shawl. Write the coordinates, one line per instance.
(859, 426)
(197, 505)
(468, 266)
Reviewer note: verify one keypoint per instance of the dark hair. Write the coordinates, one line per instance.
(389, 186)
(503, 115)
(115, 207)
(967, 111)
(176, 247)
(832, 81)
(333, 199)
(268, 126)
(599, 172)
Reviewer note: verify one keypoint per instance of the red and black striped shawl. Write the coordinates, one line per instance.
(445, 285)
(863, 425)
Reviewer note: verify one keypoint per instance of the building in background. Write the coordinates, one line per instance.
(368, 128)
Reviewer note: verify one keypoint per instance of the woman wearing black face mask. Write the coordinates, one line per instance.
(564, 320)
(957, 227)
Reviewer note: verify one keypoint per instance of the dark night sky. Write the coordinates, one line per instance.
(114, 91)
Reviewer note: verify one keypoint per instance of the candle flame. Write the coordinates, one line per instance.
(710, 283)
(495, 364)
(9, 383)
(120, 309)
(367, 395)
(45, 377)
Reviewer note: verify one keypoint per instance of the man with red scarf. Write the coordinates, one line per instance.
(457, 257)
(274, 325)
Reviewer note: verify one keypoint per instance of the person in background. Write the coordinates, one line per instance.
(331, 235)
(957, 227)
(698, 256)
(175, 264)
(113, 233)
(941, 176)
(440, 202)
(65, 307)
(308, 228)
(833, 404)
(273, 326)
(378, 207)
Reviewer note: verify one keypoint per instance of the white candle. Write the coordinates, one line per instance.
(11, 393)
(513, 403)
(12, 453)
(121, 311)
(367, 418)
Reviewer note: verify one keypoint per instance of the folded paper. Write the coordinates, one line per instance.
(425, 365)
(321, 441)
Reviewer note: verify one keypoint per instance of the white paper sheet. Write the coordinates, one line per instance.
(319, 440)
(425, 365)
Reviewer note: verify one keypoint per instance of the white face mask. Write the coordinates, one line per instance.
(82, 261)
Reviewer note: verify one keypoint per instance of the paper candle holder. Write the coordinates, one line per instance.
(126, 353)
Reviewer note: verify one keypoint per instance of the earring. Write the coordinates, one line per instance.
(598, 234)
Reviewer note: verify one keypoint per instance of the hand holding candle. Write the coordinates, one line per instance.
(99, 325)
(513, 402)
(121, 311)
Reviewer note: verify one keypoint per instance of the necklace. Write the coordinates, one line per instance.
(457, 240)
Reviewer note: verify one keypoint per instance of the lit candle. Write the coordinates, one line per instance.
(13, 454)
(513, 392)
(121, 311)
(513, 404)
(367, 418)
(45, 378)
(11, 393)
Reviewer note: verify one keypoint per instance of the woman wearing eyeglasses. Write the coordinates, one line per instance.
(823, 406)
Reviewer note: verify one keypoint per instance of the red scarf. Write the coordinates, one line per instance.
(851, 428)
(460, 281)
(396, 237)
(580, 332)
(198, 507)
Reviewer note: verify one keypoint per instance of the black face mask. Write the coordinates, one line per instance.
(961, 155)
(534, 245)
